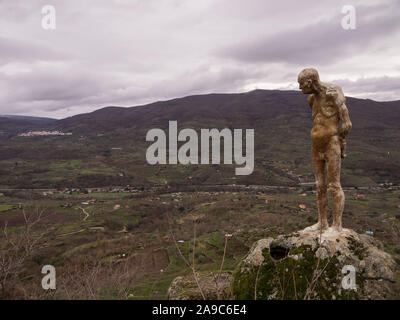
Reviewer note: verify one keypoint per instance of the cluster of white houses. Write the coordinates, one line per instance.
(44, 133)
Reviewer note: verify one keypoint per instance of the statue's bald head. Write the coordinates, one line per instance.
(307, 79)
(309, 73)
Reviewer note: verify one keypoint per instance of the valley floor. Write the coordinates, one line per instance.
(123, 245)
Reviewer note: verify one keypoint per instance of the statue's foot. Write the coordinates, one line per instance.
(317, 227)
(336, 228)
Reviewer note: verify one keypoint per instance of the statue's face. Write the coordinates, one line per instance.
(305, 85)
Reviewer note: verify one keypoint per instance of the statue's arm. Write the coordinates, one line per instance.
(340, 102)
(345, 120)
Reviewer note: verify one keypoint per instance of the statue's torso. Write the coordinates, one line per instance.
(325, 113)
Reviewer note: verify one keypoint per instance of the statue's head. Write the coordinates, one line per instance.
(308, 79)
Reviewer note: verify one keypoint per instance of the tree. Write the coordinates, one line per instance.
(15, 249)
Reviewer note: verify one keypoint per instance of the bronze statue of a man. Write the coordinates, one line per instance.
(328, 135)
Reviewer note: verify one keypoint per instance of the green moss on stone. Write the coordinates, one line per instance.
(357, 248)
(290, 278)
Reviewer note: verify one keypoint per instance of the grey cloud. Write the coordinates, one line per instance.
(132, 52)
(320, 43)
(13, 50)
(207, 79)
(56, 91)
(377, 88)
(54, 87)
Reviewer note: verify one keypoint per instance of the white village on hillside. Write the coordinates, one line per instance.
(44, 133)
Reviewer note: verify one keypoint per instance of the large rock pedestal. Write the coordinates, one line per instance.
(308, 265)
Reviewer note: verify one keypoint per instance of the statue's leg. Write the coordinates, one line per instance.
(319, 168)
(333, 157)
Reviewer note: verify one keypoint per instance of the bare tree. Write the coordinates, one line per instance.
(16, 248)
(187, 262)
(92, 280)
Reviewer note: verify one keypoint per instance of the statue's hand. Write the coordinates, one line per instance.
(345, 128)
(343, 147)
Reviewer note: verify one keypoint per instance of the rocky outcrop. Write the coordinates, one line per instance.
(311, 265)
(186, 288)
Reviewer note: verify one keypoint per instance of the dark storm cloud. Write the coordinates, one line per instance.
(323, 42)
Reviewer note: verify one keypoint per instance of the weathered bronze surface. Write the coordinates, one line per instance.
(328, 135)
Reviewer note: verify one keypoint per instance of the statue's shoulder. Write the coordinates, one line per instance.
(335, 93)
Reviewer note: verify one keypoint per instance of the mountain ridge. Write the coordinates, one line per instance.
(108, 146)
(218, 105)
(127, 111)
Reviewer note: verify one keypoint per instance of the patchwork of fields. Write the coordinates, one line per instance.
(123, 244)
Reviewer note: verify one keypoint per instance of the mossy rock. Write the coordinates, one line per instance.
(308, 265)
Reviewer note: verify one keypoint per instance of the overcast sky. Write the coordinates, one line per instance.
(132, 52)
